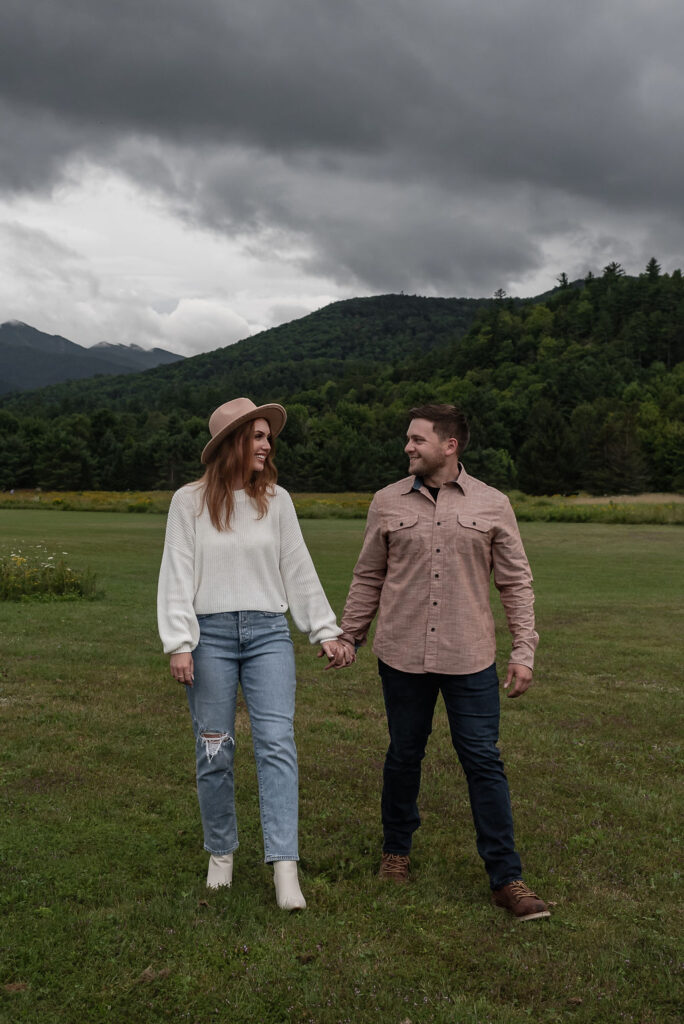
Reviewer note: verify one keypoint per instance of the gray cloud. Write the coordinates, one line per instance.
(433, 147)
(45, 263)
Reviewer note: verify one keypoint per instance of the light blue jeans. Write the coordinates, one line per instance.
(254, 650)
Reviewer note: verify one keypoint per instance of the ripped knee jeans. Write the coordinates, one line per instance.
(252, 650)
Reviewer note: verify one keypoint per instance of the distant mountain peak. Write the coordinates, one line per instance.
(30, 358)
(119, 345)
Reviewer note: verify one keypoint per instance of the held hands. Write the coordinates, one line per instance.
(520, 676)
(182, 668)
(338, 653)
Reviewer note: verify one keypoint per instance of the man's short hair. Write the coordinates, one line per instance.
(447, 421)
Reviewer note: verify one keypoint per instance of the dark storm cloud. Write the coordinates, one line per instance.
(399, 143)
(264, 73)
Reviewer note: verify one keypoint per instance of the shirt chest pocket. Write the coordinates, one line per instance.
(473, 533)
(402, 533)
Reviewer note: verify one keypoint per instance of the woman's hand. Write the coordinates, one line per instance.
(338, 653)
(182, 668)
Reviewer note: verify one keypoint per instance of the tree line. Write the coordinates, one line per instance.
(581, 391)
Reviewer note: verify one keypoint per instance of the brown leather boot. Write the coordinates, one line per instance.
(517, 898)
(394, 867)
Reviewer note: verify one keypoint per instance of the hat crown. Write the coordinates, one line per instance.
(228, 413)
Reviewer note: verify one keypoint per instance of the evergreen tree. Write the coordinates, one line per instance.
(653, 269)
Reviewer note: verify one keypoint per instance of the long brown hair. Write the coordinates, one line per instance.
(232, 461)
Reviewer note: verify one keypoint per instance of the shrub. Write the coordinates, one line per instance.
(36, 574)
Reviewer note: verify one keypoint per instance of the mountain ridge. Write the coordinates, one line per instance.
(62, 359)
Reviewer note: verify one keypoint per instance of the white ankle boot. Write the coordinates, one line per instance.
(220, 870)
(288, 894)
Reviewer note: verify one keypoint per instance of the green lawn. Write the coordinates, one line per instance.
(105, 914)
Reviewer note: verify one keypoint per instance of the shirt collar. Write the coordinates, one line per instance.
(414, 483)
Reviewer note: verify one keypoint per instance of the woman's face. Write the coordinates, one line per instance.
(261, 444)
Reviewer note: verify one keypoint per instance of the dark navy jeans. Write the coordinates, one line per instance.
(472, 704)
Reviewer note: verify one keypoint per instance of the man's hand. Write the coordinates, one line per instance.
(182, 668)
(520, 676)
(338, 652)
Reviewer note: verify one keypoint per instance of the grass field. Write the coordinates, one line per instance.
(105, 914)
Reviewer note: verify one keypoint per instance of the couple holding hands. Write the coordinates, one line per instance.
(235, 562)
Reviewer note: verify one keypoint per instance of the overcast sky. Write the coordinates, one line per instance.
(185, 174)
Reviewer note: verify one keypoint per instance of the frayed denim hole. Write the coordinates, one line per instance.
(214, 741)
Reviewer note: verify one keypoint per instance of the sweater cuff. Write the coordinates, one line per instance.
(183, 649)
(319, 636)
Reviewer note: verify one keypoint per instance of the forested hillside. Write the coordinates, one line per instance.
(584, 391)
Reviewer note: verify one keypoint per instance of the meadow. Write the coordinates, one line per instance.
(105, 914)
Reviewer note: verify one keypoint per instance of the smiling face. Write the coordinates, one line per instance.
(261, 444)
(430, 457)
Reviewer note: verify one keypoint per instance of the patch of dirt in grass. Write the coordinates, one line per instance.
(621, 720)
(51, 780)
(577, 723)
(154, 710)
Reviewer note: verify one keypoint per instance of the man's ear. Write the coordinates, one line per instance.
(452, 446)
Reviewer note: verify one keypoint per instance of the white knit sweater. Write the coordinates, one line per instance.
(257, 565)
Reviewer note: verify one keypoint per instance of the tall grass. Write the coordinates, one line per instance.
(33, 573)
(663, 509)
(105, 913)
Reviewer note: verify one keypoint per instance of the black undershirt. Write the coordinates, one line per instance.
(434, 491)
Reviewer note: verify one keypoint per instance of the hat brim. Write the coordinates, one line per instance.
(275, 414)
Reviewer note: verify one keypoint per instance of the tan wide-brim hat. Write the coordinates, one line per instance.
(231, 415)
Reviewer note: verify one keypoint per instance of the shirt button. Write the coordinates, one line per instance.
(439, 524)
(436, 575)
(432, 630)
(434, 602)
(438, 550)
(401, 524)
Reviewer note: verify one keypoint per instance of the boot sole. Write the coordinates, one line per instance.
(528, 917)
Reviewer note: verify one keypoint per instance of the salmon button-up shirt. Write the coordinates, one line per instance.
(425, 567)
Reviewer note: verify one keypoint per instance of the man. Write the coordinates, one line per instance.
(431, 543)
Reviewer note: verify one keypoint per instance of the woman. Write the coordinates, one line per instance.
(234, 561)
